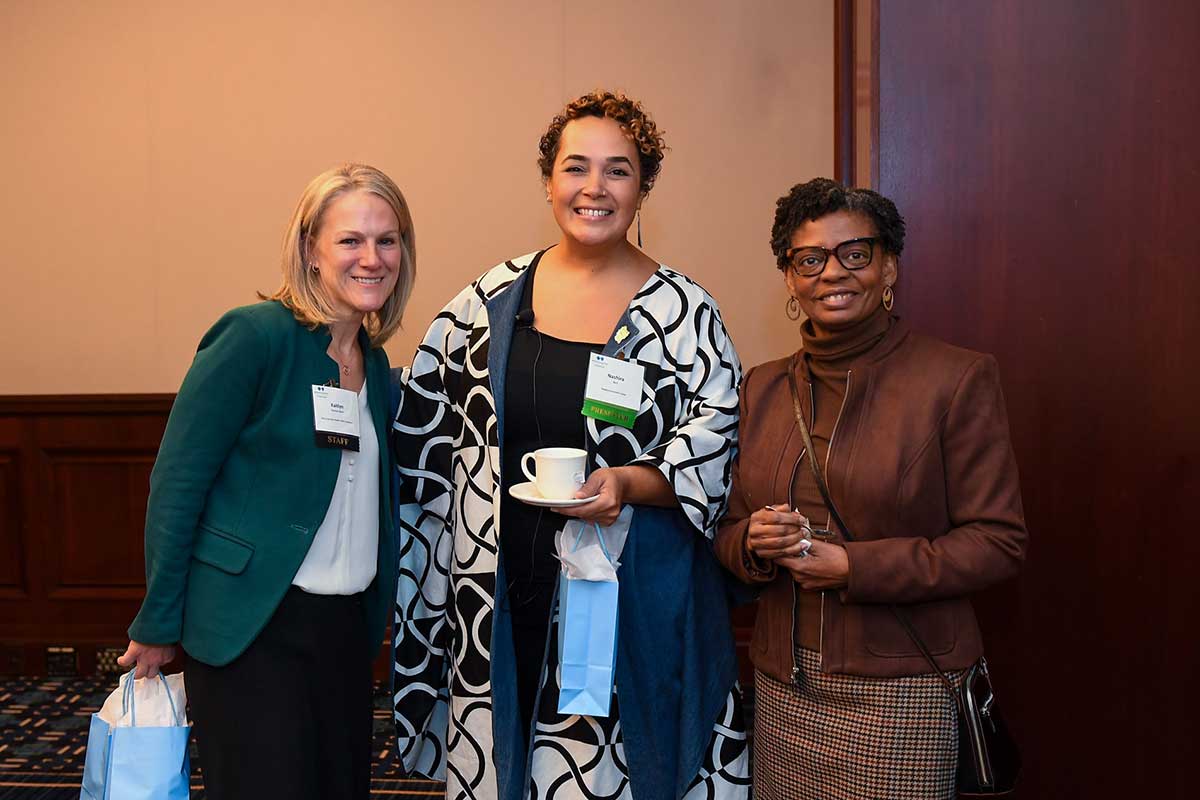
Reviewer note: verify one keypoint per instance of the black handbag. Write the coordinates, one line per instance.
(989, 762)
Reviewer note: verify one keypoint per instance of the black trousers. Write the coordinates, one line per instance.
(529, 603)
(291, 716)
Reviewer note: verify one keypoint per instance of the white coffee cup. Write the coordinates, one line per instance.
(559, 471)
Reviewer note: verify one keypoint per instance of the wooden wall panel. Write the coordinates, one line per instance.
(12, 572)
(1045, 157)
(97, 511)
(74, 477)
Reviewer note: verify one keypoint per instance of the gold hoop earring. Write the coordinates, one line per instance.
(889, 298)
(792, 309)
(313, 267)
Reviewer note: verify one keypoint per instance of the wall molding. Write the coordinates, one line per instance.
(18, 405)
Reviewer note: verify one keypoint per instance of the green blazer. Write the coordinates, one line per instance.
(239, 487)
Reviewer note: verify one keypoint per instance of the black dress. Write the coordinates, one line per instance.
(543, 399)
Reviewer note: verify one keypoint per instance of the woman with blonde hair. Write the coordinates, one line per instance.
(270, 549)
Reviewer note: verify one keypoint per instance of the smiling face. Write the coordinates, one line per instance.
(839, 298)
(594, 185)
(357, 252)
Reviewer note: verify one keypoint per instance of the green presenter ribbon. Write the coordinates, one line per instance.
(607, 412)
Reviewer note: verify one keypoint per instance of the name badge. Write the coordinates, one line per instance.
(614, 390)
(335, 417)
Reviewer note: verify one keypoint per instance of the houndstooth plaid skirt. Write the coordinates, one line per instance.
(844, 737)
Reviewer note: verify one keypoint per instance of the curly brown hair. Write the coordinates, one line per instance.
(627, 113)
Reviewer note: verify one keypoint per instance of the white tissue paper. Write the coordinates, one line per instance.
(151, 708)
(580, 552)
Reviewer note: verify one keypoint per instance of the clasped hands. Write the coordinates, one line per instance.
(779, 534)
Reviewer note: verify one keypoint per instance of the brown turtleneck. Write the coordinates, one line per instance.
(830, 355)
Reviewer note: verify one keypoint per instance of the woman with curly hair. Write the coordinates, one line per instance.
(910, 438)
(503, 371)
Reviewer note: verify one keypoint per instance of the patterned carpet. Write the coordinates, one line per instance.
(43, 738)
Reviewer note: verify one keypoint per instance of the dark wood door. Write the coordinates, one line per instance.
(1047, 158)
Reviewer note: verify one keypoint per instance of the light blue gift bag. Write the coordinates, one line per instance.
(587, 642)
(137, 763)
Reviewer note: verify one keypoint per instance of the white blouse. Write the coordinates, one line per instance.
(345, 550)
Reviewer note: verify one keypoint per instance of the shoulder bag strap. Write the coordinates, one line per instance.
(812, 453)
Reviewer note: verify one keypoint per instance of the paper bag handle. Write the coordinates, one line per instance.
(599, 535)
(128, 706)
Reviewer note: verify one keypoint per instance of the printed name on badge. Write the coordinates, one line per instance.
(614, 390)
(335, 417)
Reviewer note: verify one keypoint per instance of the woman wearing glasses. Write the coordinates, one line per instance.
(911, 438)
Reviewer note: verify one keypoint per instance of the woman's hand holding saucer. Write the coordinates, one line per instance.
(608, 489)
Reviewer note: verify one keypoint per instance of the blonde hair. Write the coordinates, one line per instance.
(301, 290)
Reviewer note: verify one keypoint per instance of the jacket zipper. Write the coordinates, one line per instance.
(795, 603)
(795, 665)
(812, 399)
(836, 422)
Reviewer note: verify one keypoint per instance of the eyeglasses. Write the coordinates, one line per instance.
(808, 262)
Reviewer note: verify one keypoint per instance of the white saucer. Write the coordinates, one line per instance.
(527, 493)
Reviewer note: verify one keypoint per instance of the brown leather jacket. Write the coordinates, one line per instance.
(922, 471)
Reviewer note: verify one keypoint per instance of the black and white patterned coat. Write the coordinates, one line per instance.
(446, 438)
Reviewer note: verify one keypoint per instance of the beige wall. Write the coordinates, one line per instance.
(152, 152)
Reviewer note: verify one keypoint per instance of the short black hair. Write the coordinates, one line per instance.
(822, 196)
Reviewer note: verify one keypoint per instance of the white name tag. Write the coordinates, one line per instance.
(614, 390)
(335, 417)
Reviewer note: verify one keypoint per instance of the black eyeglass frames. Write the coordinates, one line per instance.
(808, 262)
